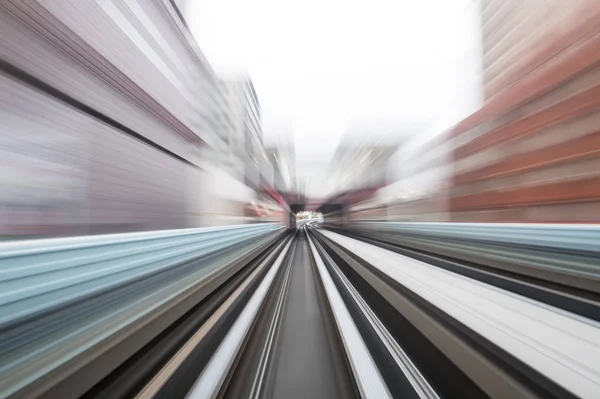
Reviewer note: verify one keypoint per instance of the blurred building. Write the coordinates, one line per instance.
(282, 154)
(112, 121)
(356, 173)
(525, 144)
(282, 171)
(359, 168)
(419, 173)
(245, 137)
(181, 6)
(531, 153)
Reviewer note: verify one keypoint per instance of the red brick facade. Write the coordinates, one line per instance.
(532, 152)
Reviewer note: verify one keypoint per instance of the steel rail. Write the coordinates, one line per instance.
(368, 379)
(214, 374)
(558, 344)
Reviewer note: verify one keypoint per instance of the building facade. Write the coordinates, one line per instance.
(531, 153)
(245, 136)
(420, 172)
(109, 109)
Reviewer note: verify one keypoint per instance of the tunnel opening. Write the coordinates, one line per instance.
(297, 208)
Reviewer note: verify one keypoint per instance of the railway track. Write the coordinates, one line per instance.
(335, 314)
(323, 315)
(278, 329)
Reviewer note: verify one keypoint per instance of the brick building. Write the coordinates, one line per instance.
(532, 152)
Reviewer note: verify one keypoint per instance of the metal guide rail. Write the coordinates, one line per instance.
(567, 236)
(284, 328)
(70, 302)
(563, 254)
(507, 344)
(308, 313)
(294, 325)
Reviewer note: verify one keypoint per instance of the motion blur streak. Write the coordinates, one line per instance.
(530, 152)
(322, 225)
(121, 125)
(90, 144)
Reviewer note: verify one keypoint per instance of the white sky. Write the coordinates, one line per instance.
(320, 66)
